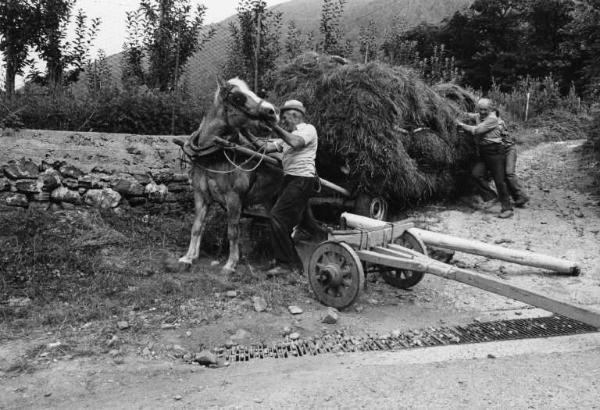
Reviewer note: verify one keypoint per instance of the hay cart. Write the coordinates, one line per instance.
(336, 268)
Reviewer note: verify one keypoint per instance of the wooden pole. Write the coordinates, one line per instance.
(497, 252)
(527, 107)
(500, 287)
(362, 222)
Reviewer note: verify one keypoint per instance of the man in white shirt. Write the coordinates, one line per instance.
(298, 142)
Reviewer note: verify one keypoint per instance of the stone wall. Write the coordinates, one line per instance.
(56, 184)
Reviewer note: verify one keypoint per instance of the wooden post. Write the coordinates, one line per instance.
(527, 107)
(497, 252)
(420, 263)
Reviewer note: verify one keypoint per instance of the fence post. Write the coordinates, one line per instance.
(527, 108)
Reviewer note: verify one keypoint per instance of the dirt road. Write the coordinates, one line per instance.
(562, 219)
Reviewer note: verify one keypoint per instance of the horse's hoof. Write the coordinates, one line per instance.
(227, 271)
(184, 266)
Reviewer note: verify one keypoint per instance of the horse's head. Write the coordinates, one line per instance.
(241, 105)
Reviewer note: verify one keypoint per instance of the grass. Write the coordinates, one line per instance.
(87, 270)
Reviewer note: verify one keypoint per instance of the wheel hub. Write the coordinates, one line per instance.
(331, 275)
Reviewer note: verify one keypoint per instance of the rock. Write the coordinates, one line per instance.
(295, 336)
(156, 193)
(40, 206)
(102, 170)
(331, 316)
(166, 326)
(231, 293)
(105, 198)
(54, 345)
(18, 302)
(178, 186)
(24, 168)
(70, 183)
(4, 185)
(205, 358)
(70, 171)
(240, 334)
(28, 186)
(163, 176)
(230, 343)
(13, 199)
(41, 197)
(180, 177)
(177, 397)
(113, 341)
(114, 353)
(491, 356)
(143, 179)
(396, 333)
(295, 310)
(146, 351)
(123, 324)
(127, 187)
(214, 263)
(260, 304)
(49, 180)
(62, 194)
(90, 182)
(67, 206)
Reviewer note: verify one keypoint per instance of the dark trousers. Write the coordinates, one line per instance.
(288, 212)
(493, 158)
(512, 182)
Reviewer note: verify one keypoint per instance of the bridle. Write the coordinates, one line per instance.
(228, 103)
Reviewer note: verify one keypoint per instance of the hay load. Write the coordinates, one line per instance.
(457, 96)
(394, 133)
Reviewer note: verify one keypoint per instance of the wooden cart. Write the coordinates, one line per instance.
(336, 268)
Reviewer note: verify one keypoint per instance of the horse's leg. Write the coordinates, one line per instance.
(233, 204)
(201, 206)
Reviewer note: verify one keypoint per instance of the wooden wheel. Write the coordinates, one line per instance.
(403, 278)
(372, 207)
(335, 274)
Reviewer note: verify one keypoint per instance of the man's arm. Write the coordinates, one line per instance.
(483, 127)
(294, 140)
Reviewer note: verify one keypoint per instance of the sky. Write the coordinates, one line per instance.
(112, 12)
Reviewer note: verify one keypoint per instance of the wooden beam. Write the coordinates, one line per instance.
(368, 238)
(499, 287)
(496, 252)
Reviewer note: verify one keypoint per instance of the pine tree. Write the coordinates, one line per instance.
(332, 41)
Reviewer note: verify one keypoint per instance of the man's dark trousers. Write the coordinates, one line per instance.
(286, 214)
(493, 156)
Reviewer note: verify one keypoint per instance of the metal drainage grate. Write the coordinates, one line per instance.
(472, 333)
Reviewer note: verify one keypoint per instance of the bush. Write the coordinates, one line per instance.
(136, 110)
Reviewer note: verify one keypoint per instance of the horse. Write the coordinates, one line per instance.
(215, 177)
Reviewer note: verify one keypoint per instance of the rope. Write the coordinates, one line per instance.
(236, 167)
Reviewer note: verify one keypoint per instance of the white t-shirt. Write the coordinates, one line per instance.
(301, 161)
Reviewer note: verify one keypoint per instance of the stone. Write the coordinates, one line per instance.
(177, 397)
(295, 336)
(295, 310)
(70, 171)
(260, 304)
(24, 168)
(331, 316)
(205, 358)
(113, 353)
(41, 197)
(13, 199)
(162, 176)
(286, 331)
(137, 201)
(143, 179)
(71, 183)
(128, 187)
(63, 194)
(122, 325)
(178, 186)
(50, 180)
(105, 198)
(231, 294)
(156, 193)
(240, 334)
(90, 182)
(101, 170)
(67, 206)
(396, 333)
(28, 186)
(81, 191)
(4, 185)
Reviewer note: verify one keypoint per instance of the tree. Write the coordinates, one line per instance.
(367, 37)
(166, 33)
(17, 32)
(332, 41)
(295, 41)
(254, 46)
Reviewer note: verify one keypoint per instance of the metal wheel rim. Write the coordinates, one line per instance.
(378, 208)
(404, 278)
(330, 259)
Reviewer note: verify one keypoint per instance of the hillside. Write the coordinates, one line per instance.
(202, 67)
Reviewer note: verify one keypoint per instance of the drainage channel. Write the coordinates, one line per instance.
(429, 337)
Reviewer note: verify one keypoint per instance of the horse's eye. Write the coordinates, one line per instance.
(238, 99)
